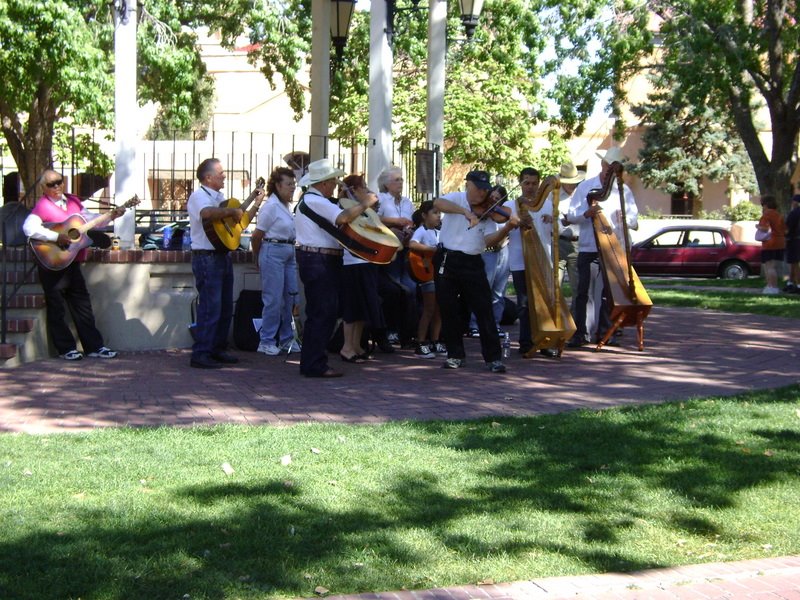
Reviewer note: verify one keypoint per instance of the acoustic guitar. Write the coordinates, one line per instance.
(370, 232)
(226, 234)
(54, 257)
(420, 266)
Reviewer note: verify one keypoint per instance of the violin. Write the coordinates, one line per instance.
(489, 207)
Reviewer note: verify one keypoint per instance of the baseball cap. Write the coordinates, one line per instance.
(480, 179)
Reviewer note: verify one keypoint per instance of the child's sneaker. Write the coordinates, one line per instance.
(453, 363)
(496, 366)
(440, 349)
(424, 350)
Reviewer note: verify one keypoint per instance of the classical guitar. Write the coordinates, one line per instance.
(226, 234)
(420, 266)
(56, 258)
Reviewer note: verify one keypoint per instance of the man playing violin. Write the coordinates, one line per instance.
(459, 272)
(212, 269)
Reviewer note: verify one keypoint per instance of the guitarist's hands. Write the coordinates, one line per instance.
(234, 213)
(63, 241)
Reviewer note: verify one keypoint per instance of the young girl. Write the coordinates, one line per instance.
(423, 243)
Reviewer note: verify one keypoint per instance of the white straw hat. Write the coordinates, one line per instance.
(320, 170)
(612, 155)
(570, 174)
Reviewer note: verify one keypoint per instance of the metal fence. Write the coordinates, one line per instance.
(165, 169)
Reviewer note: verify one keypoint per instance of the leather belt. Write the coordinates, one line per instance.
(573, 238)
(328, 251)
(493, 248)
(277, 241)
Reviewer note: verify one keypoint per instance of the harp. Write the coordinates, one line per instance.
(628, 301)
(551, 322)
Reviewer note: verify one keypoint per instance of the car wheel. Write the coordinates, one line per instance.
(734, 270)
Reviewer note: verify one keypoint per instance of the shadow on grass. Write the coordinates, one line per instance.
(598, 471)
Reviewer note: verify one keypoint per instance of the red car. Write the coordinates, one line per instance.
(691, 250)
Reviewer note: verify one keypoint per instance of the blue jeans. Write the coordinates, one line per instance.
(497, 270)
(278, 268)
(213, 276)
(320, 274)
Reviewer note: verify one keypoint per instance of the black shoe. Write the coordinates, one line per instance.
(549, 352)
(224, 358)
(525, 349)
(384, 346)
(576, 341)
(204, 362)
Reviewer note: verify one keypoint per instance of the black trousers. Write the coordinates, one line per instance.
(463, 279)
(64, 290)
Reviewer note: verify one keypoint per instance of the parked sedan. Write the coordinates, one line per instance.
(691, 250)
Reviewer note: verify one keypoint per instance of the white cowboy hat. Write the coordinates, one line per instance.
(612, 155)
(320, 170)
(570, 174)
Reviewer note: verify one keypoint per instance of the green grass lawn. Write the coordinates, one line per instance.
(152, 513)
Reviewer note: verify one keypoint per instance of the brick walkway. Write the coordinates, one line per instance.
(688, 353)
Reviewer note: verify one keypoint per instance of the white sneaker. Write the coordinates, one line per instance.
(269, 349)
(291, 347)
(102, 352)
(770, 291)
(440, 349)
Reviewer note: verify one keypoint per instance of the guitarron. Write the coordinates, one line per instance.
(628, 301)
(551, 321)
(379, 243)
(226, 234)
(56, 258)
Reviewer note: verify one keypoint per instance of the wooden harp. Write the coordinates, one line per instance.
(551, 322)
(628, 301)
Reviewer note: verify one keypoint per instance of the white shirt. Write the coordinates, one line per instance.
(456, 234)
(308, 232)
(426, 237)
(202, 197)
(542, 229)
(564, 199)
(275, 220)
(389, 207)
(516, 261)
(578, 205)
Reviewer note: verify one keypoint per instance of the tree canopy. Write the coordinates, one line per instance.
(56, 65)
(739, 58)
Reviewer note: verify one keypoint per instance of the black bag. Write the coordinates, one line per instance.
(248, 307)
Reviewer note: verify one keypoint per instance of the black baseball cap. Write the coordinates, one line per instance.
(480, 179)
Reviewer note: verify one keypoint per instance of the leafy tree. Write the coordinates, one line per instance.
(491, 99)
(685, 143)
(56, 60)
(736, 57)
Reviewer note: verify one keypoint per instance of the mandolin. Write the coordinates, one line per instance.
(226, 234)
(54, 257)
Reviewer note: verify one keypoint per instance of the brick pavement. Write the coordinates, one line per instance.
(688, 353)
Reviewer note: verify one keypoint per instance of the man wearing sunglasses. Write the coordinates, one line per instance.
(65, 288)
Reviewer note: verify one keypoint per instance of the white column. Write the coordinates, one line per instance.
(320, 77)
(380, 94)
(125, 133)
(437, 52)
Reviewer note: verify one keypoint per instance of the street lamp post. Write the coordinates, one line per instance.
(470, 14)
(341, 15)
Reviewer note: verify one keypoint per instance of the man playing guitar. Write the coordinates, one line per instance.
(66, 287)
(212, 268)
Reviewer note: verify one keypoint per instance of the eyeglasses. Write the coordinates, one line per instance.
(52, 184)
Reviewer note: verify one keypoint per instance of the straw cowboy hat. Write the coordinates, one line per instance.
(612, 155)
(320, 170)
(570, 174)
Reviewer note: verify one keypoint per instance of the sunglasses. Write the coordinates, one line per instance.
(52, 184)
